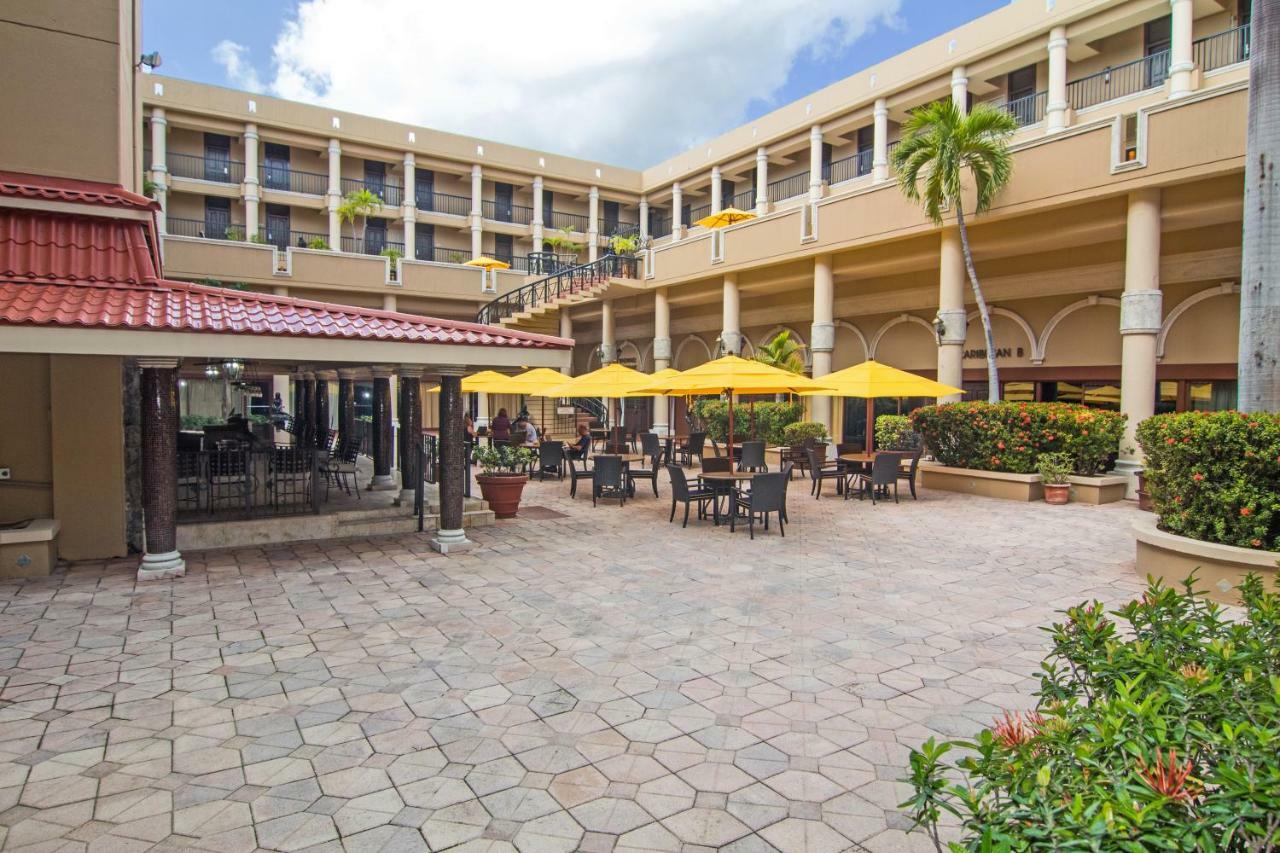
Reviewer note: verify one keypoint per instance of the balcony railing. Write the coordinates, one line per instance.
(504, 212)
(1119, 81)
(289, 180)
(370, 245)
(285, 239)
(572, 221)
(699, 212)
(789, 187)
(451, 205)
(621, 227)
(392, 194)
(443, 254)
(547, 263)
(1222, 49)
(205, 168)
(745, 200)
(848, 168)
(1026, 110)
(207, 229)
(558, 285)
(660, 226)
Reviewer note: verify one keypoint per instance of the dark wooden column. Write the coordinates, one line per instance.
(450, 535)
(322, 408)
(346, 404)
(382, 448)
(306, 414)
(160, 469)
(410, 411)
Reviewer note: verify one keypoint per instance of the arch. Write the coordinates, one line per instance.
(688, 340)
(748, 348)
(857, 333)
(901, 318)
(1020, 322)
(805, 354)
(646, 358)
(1226, 288)
(635, 351)
(593, 360)
(1037, 354)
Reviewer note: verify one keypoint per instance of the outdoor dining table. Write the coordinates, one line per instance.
(724, 481)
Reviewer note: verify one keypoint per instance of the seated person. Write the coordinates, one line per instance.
(580, 448)
(530, 431)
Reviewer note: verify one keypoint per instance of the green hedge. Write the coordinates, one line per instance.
(893, 432)
(1215, 476)
(771, 419)
(1011, 436)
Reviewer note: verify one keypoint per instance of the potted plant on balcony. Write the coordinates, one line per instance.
(1054, 469)
(503, 472)
(624, 245)
(393, 255)
(563, 244)
(318, 243)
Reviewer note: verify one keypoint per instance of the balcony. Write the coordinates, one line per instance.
(506, 212)
(609, 229)
(284, 239)
(1222, 49)
(660, 226)
(848, 168)
(392, 194)
(745, 200)
(205, 168)
(450, 205)
(699, 212)
(572, 221)
(1149, 72)
(789, 187)
(204, 229)
(370, 245)
(285, 179)
(1027, 110)
(442, 254)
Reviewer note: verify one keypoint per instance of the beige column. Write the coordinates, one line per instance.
(1181, 63)
(951, 313)
(1056, 104)
(1141, 313)
(717, 190)
(335, 194)
(252, 197)
(537, 223)
(677, 212)
(409, 208)
(477, 213)
(593, 224)
(159, 164)
(762, 181)
(608, 345)
(389, 302)
(960, 89)
(822, 334)
(730, 322)
(661, 357)
(815, 163)
(643, 213)
(280, 385)
(280, 290)
(880, 142)
(566, 331)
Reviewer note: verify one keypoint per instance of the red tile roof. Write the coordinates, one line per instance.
(37, 246)
(22, 185)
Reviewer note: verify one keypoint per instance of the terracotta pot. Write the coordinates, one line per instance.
(1144, 497)
(502, 492)
(1056, 493)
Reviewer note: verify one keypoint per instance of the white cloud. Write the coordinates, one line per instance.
(618, 82)
(233, 59)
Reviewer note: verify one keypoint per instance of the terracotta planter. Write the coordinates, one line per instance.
(1056, 493)
(502, 492)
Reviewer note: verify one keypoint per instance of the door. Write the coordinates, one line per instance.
(826, 161)
(548, 208)
(375, 237)
(275, 166)
(217, 218)
(1157, 37)
(424, 190)
(866, 147)
(502, 201)
(217, 158)
(375, 181)
(277, 233)
(504, 247)
(1021, 99)
(424, 242)
(610, 218)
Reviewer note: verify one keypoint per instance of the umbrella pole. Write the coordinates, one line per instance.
(871, 422)
(729, 442)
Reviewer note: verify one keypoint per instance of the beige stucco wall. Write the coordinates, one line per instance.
(25, 438)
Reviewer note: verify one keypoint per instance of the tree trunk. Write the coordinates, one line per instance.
(993, 375)
(1259, 367)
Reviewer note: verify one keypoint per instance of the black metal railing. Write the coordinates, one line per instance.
(505, 212)
(699, 212)
(1221, 49)
(660, 226)
(593, 406)
(789, 187)
(370, 245)
(848, 168)
(450, 205)
(1119, 81)
(283, 239)
(1026, 110)
(548, 263)
(203, 228)
(246, 483)
(572, 221)
(286, 179)
(391, 193)
(443, 254)
(560, 284)
(621, 228)
(745, 200)
(205, 168)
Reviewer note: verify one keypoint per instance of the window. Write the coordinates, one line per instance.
(217, 219)
(1022, 83)
(1157, 36)
(1211, 396)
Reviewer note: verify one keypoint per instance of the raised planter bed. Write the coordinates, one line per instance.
(1017, 487)
(1103, 489)
(1219, 568)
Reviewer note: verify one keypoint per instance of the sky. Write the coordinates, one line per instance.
(613, 83)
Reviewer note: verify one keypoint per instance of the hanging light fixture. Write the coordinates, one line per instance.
(233, 367)
(211, 371)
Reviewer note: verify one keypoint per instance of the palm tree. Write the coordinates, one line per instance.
(939, 145)
(782, 352)
(1259, 367)
(359, 204)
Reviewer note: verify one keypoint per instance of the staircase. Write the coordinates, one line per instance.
(533, 306)
(396, 520)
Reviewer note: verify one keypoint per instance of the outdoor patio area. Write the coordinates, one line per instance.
(582, 679)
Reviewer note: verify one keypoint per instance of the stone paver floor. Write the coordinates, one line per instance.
(598, 681)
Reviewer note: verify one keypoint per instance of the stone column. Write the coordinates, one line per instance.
(322, 406)
(346, 402)
(566, 331)
(822, 335)
(880, 142)
(477, 213)
(389, 302)
(159, 164)
(717, 190)
(537, 223)
(951, 312)
(409, 208)
(1056, 105)
(280, 385)
(677, 212)
(450, 535)
(730, 328)
(643, 213)
(280, 290)
(1181, 63)
(815, 163)
(960, 89)
(410, 429)
(382, 435)
(251, 194)
(593, 224)
(608, 346)
(661, 356)
(335, 194)
(160, 469)
(1141, 313)
(762, 181)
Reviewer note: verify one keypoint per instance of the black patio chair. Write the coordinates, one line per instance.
(607, 480)
(692, 447)
(682, 493)
(910, 474)
(884, 473)
(786, 470)
(551, 459)
(768, 494)
(650, 473)
(577, 468)
(650, 443)
(752, 458)
(341, 464)
(819, 473)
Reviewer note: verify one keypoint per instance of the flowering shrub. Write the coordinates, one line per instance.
(1160, 733)
(1012, 436)
(1215, 476)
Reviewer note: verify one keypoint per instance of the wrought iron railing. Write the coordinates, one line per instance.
(619, 228)
(286, 179)
(247, 483)
(1026, 110)
(1221, 49)
(443, 254)
(283, 239)
(548, 263)
(745, 200)
(205, 168)
(848, 168)
(558, 285)
(451, 205)
(1118, 81)
(572, 221)
(391, 194)
(370, 245)
(789, 187)
(699, 212)
(660, 226)
(203, 228)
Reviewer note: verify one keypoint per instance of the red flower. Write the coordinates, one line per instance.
(1000, 444)
(1014, 730)
(1244, 510)
(1170, 778)
(1197, 476)
(1257, 543)
(1170, 441)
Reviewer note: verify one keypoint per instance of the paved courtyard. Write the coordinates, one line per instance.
(599, 680)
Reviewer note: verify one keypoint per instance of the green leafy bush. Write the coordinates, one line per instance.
(796, 434)
(1054, 468)
(196, 422)
(1012, 436)
(503, 458)
(1215, 476)
(893, 432)
(317, 243)
(1158, 733)
(770, 419)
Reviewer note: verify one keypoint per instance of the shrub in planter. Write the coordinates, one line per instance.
(1054, 469)
(1215, 476)
(796, 434)
(503, 473)
(893, 432)
(771, 419)
(1012, 436)
(1157, 728)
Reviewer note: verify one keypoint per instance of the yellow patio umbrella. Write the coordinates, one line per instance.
(487, 263)
(614, 381)
(1103, 394)
(725, 218)
(871, 379)
(477, 382)
(662, 376)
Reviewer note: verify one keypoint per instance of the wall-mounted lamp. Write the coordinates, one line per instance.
(152, 60)
(939, 328)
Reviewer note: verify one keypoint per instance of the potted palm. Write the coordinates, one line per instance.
(503, 473)
(1054, 470)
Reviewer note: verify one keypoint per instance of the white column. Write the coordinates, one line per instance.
(822, 335)
(1056, 105)
(644, 217)
(593, 224)
(566, 331)
(677, 211)
(608, 345)
(335, 194)
(951, 312)
(880, 142)
(960, 89)
(159, 164)
(762, 181)
(661, 356)
(717, 191)
(280, 290)
(477, 215)
(410, 207)
(730, 328)
(815, 163)
(1141, 312)
(389, 302)
(482, 409)
(537, 223)
(1181, 64)
(251, 195)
